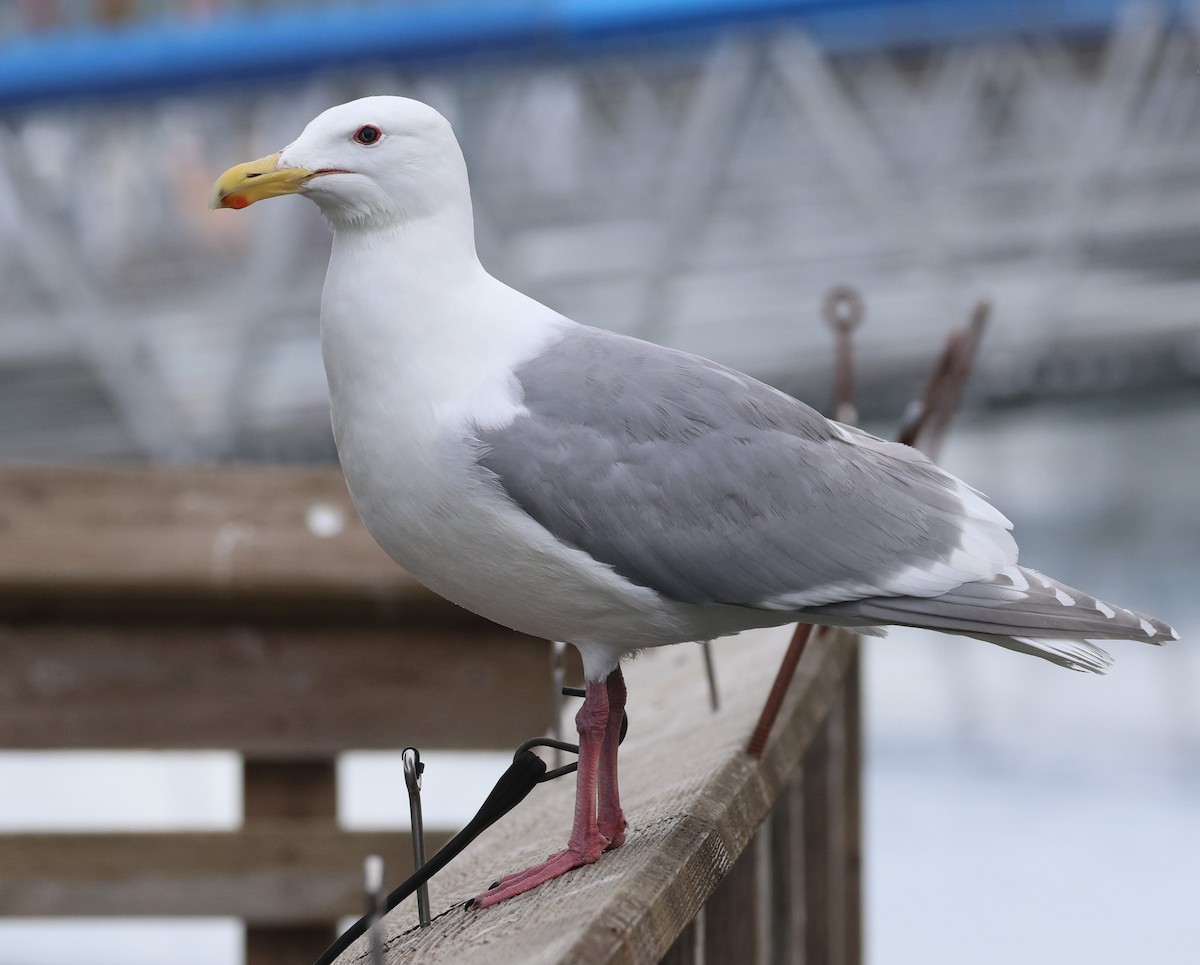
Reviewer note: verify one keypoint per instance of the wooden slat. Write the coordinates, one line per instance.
(140, 543)
(693, 799)
(284, 874)
(269, 691)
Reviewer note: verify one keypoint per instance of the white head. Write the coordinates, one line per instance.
(371, 163)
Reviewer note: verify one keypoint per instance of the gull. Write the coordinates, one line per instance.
(575, 484)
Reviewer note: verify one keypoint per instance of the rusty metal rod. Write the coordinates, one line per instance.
(779, 689)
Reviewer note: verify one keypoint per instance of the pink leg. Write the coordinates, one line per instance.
(586, 843)
(610, 817)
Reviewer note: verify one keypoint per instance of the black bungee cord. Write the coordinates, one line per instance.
(525, 773)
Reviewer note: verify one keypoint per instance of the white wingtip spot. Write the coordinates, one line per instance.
(1174, 634)
(1015, 577)
(1105, 609)
(1147, 627)
(1064, 598)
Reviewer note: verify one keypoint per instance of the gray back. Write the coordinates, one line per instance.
(708, 486)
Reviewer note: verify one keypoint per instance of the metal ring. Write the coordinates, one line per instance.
(843, 308)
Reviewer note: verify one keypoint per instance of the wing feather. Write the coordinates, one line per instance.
(710, 487)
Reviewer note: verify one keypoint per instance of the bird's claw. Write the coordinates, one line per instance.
(557, 864)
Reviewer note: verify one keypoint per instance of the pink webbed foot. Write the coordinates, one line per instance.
(557, 864)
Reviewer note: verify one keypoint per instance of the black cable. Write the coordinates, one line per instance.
(523, 775)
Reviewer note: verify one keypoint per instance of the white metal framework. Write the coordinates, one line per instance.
(705, 198)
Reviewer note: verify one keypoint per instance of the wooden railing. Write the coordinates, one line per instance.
(729, 860)
(247, 609)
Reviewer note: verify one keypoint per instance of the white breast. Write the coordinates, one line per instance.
(406, 387)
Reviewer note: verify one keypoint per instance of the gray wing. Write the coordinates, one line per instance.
(710, 487)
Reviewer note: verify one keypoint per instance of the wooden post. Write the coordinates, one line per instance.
(827, 879)
(731, 924)
(821, 937)
(288, 945)
(276, 793)
(787, 874)
(851, 705)
(688, 947)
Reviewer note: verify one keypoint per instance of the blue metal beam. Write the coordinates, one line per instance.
(152, 58)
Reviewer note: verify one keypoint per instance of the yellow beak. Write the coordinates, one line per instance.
(242, 185)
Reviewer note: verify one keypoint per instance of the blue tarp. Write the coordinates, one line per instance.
(155, 57)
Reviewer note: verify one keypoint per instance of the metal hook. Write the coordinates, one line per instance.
(561, 745)
(373, 891)
(413, 769)
(843, 311)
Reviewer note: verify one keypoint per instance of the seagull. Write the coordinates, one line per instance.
(575, 484)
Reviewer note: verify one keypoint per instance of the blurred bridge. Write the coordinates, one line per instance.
(696, 173)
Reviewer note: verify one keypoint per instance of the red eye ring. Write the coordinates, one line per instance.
(367, 135)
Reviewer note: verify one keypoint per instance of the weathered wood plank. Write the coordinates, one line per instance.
(138, 543)
(269, 691)
(693, 798)
(283, 874)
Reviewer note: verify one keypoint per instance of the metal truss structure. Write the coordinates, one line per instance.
(706, 197)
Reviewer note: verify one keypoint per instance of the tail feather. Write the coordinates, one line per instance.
(1080, 655)
(1020, 609)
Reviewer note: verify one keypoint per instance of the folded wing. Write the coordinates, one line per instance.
(710, 487)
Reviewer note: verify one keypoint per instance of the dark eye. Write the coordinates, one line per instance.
(367, 134)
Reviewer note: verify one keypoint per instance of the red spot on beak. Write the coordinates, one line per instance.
(237, 201)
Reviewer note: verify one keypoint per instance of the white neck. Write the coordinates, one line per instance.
(416, 332)
(442, 240)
